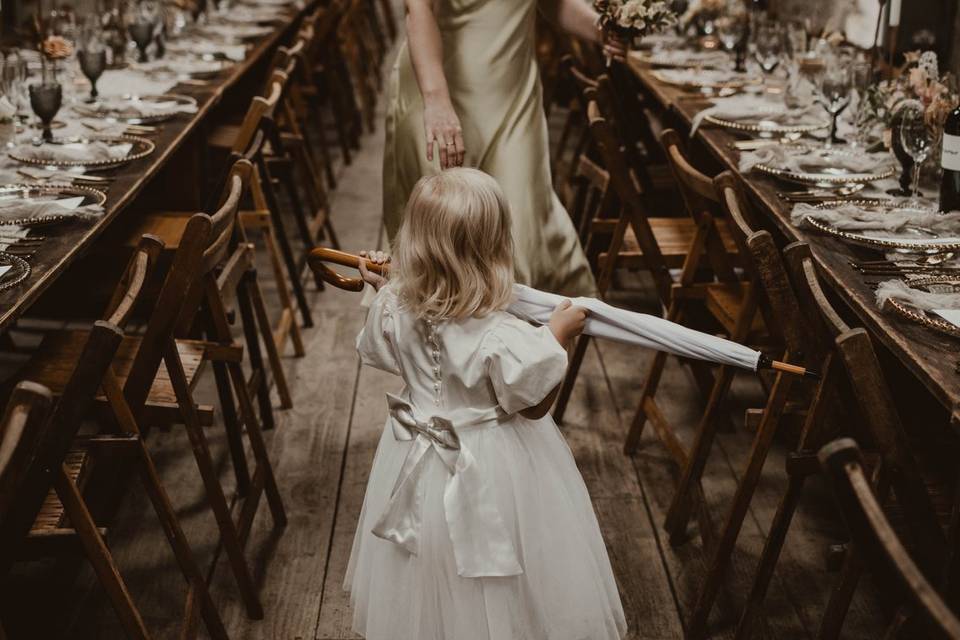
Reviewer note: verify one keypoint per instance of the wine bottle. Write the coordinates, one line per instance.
(950, 161)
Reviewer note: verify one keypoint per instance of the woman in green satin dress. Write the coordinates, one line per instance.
(465, 90)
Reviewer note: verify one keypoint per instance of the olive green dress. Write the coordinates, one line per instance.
(492, 75)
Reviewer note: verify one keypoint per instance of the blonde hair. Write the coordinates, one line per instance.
(453, 256)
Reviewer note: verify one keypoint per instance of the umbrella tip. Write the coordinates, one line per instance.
(812, 375)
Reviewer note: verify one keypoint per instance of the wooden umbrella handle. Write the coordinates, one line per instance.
(320, 256)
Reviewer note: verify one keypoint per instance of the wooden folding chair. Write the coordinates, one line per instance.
(361, 63)
(696, 243)
(875, 539)
(769, 295)
(84, 371)
(830, 341)
(210, 268)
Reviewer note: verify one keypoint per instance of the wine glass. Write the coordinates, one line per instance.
(92, 62)
(916, 139)
(768, 47)
(834, 88)
(46, 97)
(730, 31)
(13, 79)
(142, 25)
(861, 78)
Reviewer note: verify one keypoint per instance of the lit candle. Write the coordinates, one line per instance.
(895, 13)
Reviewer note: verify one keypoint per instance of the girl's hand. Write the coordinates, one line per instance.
(567, 322)
(377, 257)
(614, 46)
(441, 124)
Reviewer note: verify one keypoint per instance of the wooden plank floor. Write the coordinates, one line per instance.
(323, 448)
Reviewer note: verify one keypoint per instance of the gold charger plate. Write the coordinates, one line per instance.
(909, 312)
(141, 148)
(826, 176)
(927, 241)
(53, 191)
(765, 126)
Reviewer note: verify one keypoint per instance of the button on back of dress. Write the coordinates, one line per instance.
(433, 344)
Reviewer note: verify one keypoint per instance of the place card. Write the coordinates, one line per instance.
(950, 315)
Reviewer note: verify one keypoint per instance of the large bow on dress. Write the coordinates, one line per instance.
(481, 544)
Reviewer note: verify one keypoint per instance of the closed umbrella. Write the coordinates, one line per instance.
(603, 321)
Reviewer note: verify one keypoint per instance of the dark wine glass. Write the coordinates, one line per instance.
(45, 99)
(142, 33)
(92, 63)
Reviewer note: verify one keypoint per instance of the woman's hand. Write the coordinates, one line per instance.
(442, 126)
(376, 257)
(614, 47)
(567, 322)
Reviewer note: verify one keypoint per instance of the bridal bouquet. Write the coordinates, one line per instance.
(633, 19)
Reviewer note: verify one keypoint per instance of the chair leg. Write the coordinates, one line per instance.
(840, 596)
(649, 391)
(100, 557)
(288, 325)
(178, 543)
(232, 427)
(571, 378)
(221, 329)
(218, 502)
(261, 320)
(724, 546)
(280, 233)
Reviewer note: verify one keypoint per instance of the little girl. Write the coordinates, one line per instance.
(476, 523)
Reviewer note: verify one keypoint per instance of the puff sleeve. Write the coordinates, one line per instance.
(375, 341)
(524, 364)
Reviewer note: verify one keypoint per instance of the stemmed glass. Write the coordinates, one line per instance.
(730, 30)
(861, 78)
(768, 46)
(916, 139)
(45, 99)
(834, 86)
(92, 55)
(142, 25)
(13, 80)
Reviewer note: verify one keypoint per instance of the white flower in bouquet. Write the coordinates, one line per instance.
(634, 18)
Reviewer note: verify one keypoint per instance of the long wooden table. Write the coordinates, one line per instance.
(929, 356)
(66, 243)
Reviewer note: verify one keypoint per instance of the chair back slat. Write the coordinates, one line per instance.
(131, 285)
(260, 108)
(872, 534)
(765, 266)
(825, 324)
(700, 197)
(627, 190)
(21, 433)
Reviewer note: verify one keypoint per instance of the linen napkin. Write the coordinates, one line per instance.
(48, 175)
(687, 58)
(17, 208)
(807, 159)
(133, 108)
(181, 66)
(237, 31)
(925, 300)
(750, 107)
(701, 77)
(888, 224)
(203, 47)
(73, 152)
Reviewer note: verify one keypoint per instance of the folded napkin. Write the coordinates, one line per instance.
(237, 31)
(123, 82)
(133, 108)
(7, 110)
(26, 208)
(687, 58)
(73, 152)
(701, 77)
(925, 300)
(202, 47)
(181, 66)
(252, 14)
(853, 217)
(807, 159)
(48, 175)
(751, 107)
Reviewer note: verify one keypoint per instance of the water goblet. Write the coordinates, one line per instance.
(142, 33)
(834, 87)
(916, 139)
(730, 30)
(46, 99)
(768, 47)
(92, 62)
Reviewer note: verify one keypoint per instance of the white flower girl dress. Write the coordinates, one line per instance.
(476, 523)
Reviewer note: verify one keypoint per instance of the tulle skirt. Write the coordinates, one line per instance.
(566, 591)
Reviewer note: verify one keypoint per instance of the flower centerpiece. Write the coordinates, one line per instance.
(917, 80)
(633, 19)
